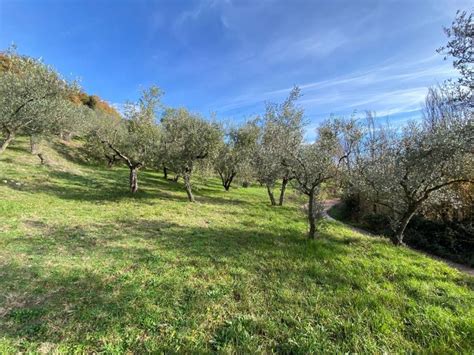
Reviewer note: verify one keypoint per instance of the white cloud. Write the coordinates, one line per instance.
(316, 45)
(390, 88)
(419, 69)
(195, 13)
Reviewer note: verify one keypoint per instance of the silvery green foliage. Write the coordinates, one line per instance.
(73, 120)
(235, 154)
(441, 110)
(187, 139)
(104, 129)
(313, 164)
(63, 116)
(134, 138)
(282, 133)
(325, 158)
(141, 136)
(442, 198)
(348, 136)
(32, 96)
(460, 47)
(401, 170)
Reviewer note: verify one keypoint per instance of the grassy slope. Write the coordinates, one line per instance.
(86, 267)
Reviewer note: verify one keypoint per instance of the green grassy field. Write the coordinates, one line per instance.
(86, 267)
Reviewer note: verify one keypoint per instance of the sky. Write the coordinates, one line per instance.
(230, 57)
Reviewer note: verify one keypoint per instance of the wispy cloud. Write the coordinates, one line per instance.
(195, 13)
(390, 89)
(427, 68)
(316, 45)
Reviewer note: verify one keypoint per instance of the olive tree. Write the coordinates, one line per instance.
(410, 166)
(357, 177)
(75, 121)
(187, 139)
(104, 128)
(348, 135)
(236, 152)
(64, 115)
(30, 95)
(313, 164)
(460, 48)
(282, 132)
(134, 139)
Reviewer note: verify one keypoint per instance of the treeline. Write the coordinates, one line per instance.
(395, 170)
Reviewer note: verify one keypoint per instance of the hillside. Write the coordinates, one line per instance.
(92, 101)
(87, 267)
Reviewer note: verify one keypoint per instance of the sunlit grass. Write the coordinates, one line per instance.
(86, 267)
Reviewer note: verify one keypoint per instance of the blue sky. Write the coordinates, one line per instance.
(230, 56)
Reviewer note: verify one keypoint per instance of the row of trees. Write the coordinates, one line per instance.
(395, 169)
(180, 140)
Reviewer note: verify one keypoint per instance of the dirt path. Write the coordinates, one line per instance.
(463, 268)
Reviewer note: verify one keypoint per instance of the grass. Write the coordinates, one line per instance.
(86, 267)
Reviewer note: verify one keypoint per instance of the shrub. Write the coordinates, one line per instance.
(377, 223)
(454, 241)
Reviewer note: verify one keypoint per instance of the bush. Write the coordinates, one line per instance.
(377, 223)
(348, 210)
(454, 241)
(451, 240)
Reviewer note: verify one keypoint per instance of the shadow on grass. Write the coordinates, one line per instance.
(100, 183)
(77, 155)
(156, 279)
(16, 147)
(112, 185)
(41, 302)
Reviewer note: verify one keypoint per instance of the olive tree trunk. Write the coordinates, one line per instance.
(284, 182)
(414, 205)
(111, 159)
(34, 145)
(227, 180)
(187, 186)
(270, 194)
(312, 214)
(133, 179)
(227, 185)
(66, 136)
(132, 165)
(35, 148)
(397, 238)
(165, 172)
(8, 139)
